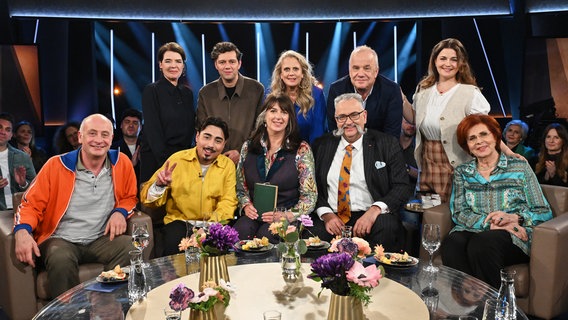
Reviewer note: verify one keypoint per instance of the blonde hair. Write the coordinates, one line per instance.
(304, 100)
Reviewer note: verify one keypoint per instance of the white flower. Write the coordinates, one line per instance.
(227, 286)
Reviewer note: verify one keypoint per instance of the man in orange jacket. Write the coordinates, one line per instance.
(75, 211)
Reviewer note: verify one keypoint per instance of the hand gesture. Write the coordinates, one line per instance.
(20, 175)
(27, 150)
(26, 247)
(116, 225)
(333, 223)
(136, 156)
(164, 177)
(550, 168)
(3, 182)
(250, 211)
(233, 155)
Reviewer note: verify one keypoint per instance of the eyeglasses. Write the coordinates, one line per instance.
(353, 116)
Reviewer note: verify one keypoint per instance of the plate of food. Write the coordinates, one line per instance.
(115, 275)
(254, 245)
(401, 260)
(315, 243)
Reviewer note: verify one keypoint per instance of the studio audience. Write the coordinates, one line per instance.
(552, 165)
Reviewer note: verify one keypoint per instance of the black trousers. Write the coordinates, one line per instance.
(482, 254)
(173, 232)
(387, 230)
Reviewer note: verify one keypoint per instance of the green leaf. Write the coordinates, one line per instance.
(282, 247)
(302, 247)
(292, 237)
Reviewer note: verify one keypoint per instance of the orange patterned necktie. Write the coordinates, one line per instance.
(343, 200)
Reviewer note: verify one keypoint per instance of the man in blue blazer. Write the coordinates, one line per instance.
(377, 183)
(381, 97)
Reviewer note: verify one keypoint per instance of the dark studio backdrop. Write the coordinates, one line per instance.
(504, 40)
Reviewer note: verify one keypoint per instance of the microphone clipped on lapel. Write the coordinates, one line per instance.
(379, 164)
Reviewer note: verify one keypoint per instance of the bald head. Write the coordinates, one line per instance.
(95, 136)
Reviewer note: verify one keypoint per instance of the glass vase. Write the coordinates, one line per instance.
(213, 268)
(345, 307)
(507, 293)
(291, 269)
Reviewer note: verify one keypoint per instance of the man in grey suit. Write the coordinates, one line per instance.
(16, 167)
(370, 197)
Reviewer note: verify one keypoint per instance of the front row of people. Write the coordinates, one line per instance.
(354, 177)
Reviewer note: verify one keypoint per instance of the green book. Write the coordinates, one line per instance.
(265, 197)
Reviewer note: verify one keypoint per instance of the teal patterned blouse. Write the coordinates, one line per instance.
(512, 188)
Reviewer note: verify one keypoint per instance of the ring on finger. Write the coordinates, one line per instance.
(516, 229)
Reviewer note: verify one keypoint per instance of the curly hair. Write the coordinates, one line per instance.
(60, 139)
(464, 75)
(304, 100)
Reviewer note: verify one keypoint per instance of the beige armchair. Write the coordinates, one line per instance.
(24, 289)
(541, 286)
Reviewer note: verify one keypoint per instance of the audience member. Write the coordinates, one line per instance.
(407, 143)
(75, 211)
(16, 167)
(496, 202)
(381, 96)
(293, 76)
(129, 144)
(167, 105)
(233, 97)
(66, 138)
(443, 98)
(203, 182)
(361, 178)
(275, 155)
(24, 140)
(515, 133)
(552, 165)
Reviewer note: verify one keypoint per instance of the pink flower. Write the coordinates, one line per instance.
(363, 245)
(204, 295)
(365, 277)
(290, 229)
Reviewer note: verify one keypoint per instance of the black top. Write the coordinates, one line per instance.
(556, 180)
(169, 123)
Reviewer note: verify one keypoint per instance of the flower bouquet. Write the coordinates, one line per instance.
(293, 245)
(216, 241)
(357, 247)
(213, 295)
(213, 244)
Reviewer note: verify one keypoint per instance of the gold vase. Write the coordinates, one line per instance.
(345, 307)
(212, 268)
(202, 315)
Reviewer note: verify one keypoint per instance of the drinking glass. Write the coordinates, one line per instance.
(172, 314)
(346, 231)
(272, 315)
(495, 309)
(205, 216)
(467, 318)
(430, 296)
(431, 242)
(140, 238)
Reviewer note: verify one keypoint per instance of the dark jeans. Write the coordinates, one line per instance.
(482, 254)
(62, 258)
(172, 233)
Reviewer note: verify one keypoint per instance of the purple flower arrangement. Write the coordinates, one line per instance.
(219, 240)
(182, 297)
(345, 276)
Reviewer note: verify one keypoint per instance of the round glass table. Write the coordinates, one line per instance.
(447, 294)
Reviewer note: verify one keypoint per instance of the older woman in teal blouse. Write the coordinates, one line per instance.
(496, 202)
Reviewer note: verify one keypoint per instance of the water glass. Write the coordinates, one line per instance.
(272, 315)
(172, 314)
(495, 309)
(346, 231)
(430, 296)
(137, 288)
(431, 242)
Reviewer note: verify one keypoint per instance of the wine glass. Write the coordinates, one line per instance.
(140, 238)
(431, 242)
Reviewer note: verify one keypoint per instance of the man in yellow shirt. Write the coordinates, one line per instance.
(194, 184)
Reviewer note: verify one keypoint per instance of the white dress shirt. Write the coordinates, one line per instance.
(359, 195)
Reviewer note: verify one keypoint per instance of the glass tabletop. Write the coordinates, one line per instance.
(449, 293)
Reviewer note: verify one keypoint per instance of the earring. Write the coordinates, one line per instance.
(265, 124)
